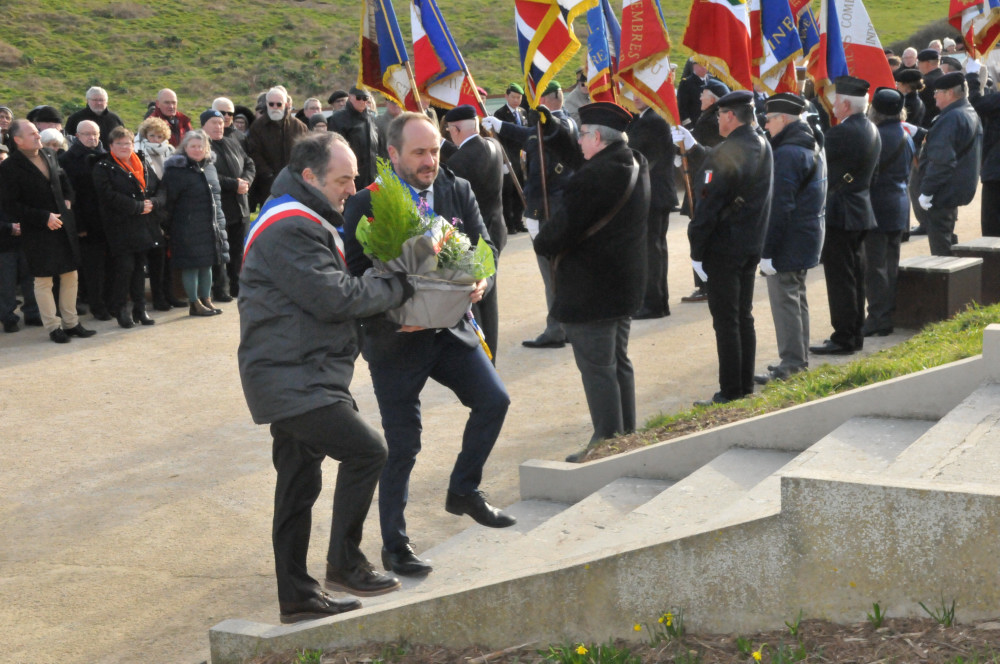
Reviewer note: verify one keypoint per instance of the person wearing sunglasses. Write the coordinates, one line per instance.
(270, 142)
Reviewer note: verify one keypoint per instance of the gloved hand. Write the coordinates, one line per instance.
(681, 135)
(925, 201)
(699, 270)
(492, 124)
(972, 66)
(767, 267)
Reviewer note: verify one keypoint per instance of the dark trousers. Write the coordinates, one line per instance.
(513, 208)
(14, 273)
(301, 443)
(844, 268)
(989, 218)
(487, 313)
(130, 281)
(600, 349)
(160, 279)
(236, 233)
(657, 298)
(730, 301)
(941, 229)
(96, 274)
(468, 373)
(881, 271)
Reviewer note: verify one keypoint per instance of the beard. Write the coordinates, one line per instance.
(276, 114)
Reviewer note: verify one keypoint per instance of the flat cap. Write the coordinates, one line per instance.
(514, 87)
(908, 76)
(337, 94)
(785, 102)
(948, 81)
(851, 86)
(606, 114)
(44, 114)
(717, 87)
(360, 93)
(887, 101)
(463, 112)
(928, 55)
(208, 115)
(735, 98)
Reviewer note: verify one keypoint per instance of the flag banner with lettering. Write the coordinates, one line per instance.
(438, 66)
(383, 54)
(849, 45)
(644, 67)
(805, 19)
(718, 32)
(602, 52)
(979, 23)
(775, 45)
(545, 39)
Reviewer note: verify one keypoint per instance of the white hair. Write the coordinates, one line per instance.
(218, 102)
(95, 91)
(857, 104)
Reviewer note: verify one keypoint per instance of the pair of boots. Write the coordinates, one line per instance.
(128, 318)
(203, 307)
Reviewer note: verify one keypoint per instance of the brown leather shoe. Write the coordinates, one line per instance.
(320, 606)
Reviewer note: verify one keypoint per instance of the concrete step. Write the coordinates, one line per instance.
(963, 446)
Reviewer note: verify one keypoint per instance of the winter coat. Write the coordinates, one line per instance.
(796, 224)
(194, 221)
(270, 146)
(78, 162)
(890, 201)
(650, 134)
(179, 124)
(298, 309)
(105, 121)
(26, 196)
(914, 106)
(988, 108)
(950, 157)
(363, 136)
(156, 154)
(602, 276)
(852, 152)
(232, 162)
(121, 199)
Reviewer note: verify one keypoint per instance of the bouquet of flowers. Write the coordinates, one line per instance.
(442, 264)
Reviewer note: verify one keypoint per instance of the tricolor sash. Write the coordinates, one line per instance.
(279, 208)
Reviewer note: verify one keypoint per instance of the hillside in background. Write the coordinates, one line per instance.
(51, 51)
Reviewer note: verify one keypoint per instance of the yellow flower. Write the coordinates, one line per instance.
(581, 650)
(637, 627)
(670, 619)
(756, 655)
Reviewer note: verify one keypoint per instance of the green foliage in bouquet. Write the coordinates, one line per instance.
(396, 215)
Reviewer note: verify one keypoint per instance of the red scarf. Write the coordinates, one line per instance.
(134, 166)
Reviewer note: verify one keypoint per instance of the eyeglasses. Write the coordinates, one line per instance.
(275, 104)
(229, 113)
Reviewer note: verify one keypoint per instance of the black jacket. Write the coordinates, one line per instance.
(480, 161)
(194, 219)
(78, 162)
(950, 156)
(650, 135)
(988, 108)
(121, 199)
(106, 121)
(562, 157)
(26, 196)
(738, 169)
(511, 146)
(914, 106)
(890, 201)
(602, 276)
(363, 136)
(232, 162)
(931, 110)
(689, 99)
(852, 152)
(795, 227)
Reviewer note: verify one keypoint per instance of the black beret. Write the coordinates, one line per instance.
(606, 114)
(360, 93)
(208, 115)
(952, 62)
(908, 76)
(851, 86)
(717, 87)
(928, 55)
(463, 112)
(337, 94)
(887, 101)
(735, 98)
(785, 102)
(44, 114)
(315, 119)
(948, 81)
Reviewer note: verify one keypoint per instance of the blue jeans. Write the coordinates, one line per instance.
(14, 271)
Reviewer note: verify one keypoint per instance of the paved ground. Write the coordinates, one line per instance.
(136, 492)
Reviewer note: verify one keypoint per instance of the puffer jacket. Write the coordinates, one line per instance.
(194, 222)
(950, 158)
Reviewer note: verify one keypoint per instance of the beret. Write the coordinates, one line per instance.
(553, 86)
(514, 87)
(606, 114)
(951, 62)
(887, 101)
(851, 86)
(208, 115)
(948, 81)
(44, 114)
(735, 98)
(337, 94)
(785, 102)
(928, 55)
(908, 76)
(315, 119)
(463, 112)
(717, 87)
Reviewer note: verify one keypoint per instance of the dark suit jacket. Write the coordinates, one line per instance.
(650, 134)
(382, 343)
(479, 161)
(512, 148)
(233, 162)
(852, 147)
(689, 99)
(927, 96)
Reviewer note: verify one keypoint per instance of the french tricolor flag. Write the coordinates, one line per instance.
(439, 69)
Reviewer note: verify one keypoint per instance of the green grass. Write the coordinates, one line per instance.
(51, 51)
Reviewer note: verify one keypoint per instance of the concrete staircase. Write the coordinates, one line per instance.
(889, 493)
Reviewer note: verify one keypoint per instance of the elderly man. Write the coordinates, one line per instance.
(949, 161)
(392, 111)
(596, 242)
(794, 230)
(402, 359)
(96, 111)
(225, 106)
(166, 110)
(310, 107)
(356, 123)
(852, 150)
(909, 58)
(270, 142)
(95, 259)
(299, 309)
(338, 100)
(733, 202)
(480, 161)
(928, 64)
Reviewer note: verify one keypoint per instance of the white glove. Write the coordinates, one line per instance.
(493, 124)
(925, 201)
(681, 135)
(699, 270)
(910, 129)
(678, 161)
(767, 267)
(972, 66)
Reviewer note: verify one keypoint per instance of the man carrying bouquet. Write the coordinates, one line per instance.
(298, 341)
(401, 359)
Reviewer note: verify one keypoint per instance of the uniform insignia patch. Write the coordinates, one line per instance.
(708, 177)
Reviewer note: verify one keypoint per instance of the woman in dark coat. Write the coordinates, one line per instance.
(35, 191)
(195, 222)
(125, 185)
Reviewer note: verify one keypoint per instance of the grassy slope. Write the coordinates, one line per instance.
(52, 50)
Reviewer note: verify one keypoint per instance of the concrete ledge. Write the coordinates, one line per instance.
(927, 394)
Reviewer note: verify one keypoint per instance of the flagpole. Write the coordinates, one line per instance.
(687, 178)
(413, 86)
(541, 165)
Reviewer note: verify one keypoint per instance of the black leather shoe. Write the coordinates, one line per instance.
(577, 457)
(646, 314)
(362, 580)
(404, 562)
(33, 322)
(697, 296)
(321, 606)
(918, 230)
(100, 314)
(482, 512)
(59, 336)
(543, 342)
(139, 315)
(175, 303)
(884, 332)
(763, 379)
(161, 305)
(11, 326)
(716, 398)
(220, 296)
(80, 331)
(830, 348)
(125, 319)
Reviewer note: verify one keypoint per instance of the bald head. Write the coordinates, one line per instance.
(88, 133)
(166, 102)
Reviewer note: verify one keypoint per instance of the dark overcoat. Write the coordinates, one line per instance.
(194, 219)
(232, 162)
(122, 199)
(480, 161)
(852, 152)
(890, 201)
